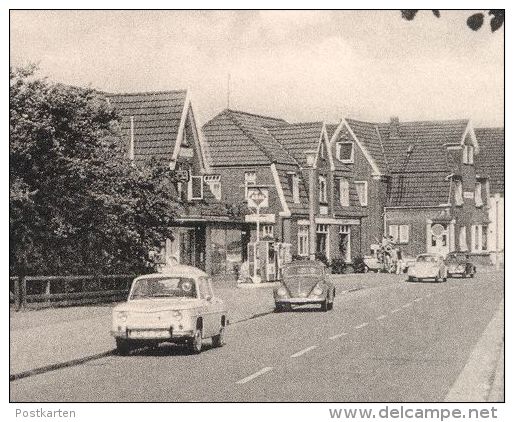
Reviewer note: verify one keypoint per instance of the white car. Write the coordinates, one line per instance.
(176, 305)
(428, 266)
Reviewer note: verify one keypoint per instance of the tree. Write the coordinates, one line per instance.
(76, 203)
(474, 22)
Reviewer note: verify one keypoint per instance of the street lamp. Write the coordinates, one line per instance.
(310, 156)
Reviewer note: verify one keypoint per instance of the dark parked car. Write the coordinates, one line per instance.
(459, 263)
(304, 283)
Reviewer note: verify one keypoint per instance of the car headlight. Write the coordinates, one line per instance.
(317, 291)
(281, 291)
(121, 316)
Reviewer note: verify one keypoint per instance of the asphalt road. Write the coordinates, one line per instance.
(399, 342)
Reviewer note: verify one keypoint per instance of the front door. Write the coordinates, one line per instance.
(438, 239)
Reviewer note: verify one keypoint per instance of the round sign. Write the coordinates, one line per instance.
(437, 230)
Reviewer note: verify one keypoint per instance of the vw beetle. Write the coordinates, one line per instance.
(428, 266)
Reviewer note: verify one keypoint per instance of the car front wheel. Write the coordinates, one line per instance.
(195, 344)
(122, 346)
(324, 305)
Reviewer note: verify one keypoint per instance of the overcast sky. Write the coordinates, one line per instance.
(297, 65)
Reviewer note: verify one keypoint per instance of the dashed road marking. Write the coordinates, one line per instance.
(395, 310)
(418, 299)
(302, 352)
(407, 305)
(255, 375)
(338, 336)
(381, 317)
(361, 326)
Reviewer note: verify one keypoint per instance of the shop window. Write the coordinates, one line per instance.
(479, 238)
(344, 242)
(485, 233)
(362, 192)
(344, 192)
(267, 230)
(303, 240)
(344, 152)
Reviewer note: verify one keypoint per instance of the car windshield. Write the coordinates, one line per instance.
(303, 271)
(427, 258)
(164, 287)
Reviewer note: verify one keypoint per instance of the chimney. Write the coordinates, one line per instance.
(394, 127)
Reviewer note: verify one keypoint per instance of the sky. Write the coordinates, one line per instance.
(298, 65)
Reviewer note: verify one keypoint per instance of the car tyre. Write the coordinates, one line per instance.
(279, 308)
(195, 344)
(122, 346)
(219, 339)
(330, 305)
(324, 305)
(410, 279)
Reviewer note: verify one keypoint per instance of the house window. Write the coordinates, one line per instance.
(196, 187)
(399, 232)
(479, 238)
(303, 240)
(344, 152)
(458, 193)
(478, 194)
(344, 192)
(323, 189)
(362, 192)
(214, 183)
(467, 154)
(267, 230)
(463, 243)
(295, 187)
(322, 239)
(250, 180)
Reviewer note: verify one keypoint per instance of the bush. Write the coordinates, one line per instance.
(338, 266)
(322, 257)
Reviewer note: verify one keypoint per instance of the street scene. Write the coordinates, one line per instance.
(256, 233)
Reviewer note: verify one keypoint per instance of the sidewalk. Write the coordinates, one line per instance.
(54, 336)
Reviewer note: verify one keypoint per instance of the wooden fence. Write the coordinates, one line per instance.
(49, 291)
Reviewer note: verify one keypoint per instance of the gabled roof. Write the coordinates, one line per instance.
(236, 137)
(419, 189)
(490, 161)
(368, 134)
(157, 118)
(426, 142)
(296, 138)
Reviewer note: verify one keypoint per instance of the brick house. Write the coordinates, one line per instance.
(209, 233)
(249, 149)
(491, 163)
(436, 200)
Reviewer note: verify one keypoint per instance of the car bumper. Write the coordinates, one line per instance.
(300, 301)
(152, 334)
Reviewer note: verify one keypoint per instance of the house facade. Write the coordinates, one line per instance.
(491, 163)
(209, 233)
(253, 150)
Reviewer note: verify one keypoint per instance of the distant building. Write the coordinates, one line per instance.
(491, 163)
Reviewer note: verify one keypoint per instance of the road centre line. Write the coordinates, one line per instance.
(254, 375)
(381, 317)
(361, 325)
(302, 352)
(338, 336)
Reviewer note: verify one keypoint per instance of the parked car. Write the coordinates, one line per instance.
(304, 283)
(177, 305)
(428, 266)
(459, 263)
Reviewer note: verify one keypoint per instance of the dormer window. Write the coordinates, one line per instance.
(344, 152)
(458, 193)
(468, 154)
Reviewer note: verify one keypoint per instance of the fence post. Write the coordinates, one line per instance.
(23, 291)
(17, 293)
